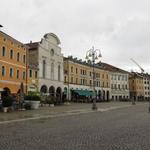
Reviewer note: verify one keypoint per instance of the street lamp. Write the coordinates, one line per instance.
(92, 55)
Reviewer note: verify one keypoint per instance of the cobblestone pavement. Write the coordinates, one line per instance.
(120, 129)
(47, 111)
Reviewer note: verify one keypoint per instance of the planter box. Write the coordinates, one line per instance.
(34, 104)
(51, 105)
(5, 109)
(66, 103)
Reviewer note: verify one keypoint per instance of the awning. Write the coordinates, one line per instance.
(84, 92)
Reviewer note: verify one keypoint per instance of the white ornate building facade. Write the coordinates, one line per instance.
(47, 55)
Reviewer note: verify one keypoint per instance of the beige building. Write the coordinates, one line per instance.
(136, 86)
(78, 78)
(119, 83)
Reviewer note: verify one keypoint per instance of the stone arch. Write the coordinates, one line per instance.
(52, 91)
(58, 91)
(43, 89)
(6, 91)
(59, 95)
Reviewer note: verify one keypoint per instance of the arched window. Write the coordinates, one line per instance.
(59, 73)
(44, 68)
(3, 70)
(24, 75)
(52, 52)
(3, 51)
(52, 71)
(18, 56)
(24, 59)
(17, 74)
(11, 54)
(11, 72)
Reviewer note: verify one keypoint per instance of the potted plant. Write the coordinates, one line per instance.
(34, 100)
(50, 101)
(7, 103)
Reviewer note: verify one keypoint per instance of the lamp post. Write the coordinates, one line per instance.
(92, 55)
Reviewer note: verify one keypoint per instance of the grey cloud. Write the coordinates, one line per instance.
(119, 28)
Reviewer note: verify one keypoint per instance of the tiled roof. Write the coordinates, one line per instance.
(11, 38)
(112, 68)
(33, 45)
(100, 65)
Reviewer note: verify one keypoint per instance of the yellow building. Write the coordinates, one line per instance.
(78, 78)
(136, 86)
(13, 62)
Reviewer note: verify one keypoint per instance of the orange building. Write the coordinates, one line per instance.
(13, 63)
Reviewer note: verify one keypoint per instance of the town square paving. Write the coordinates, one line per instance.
(126, 128)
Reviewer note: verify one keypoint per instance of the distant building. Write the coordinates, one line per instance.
(47, 56)
(13, 62)
(139, 86)
(136, 85)
(118, 81)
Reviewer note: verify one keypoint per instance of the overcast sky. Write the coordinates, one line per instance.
(119, 28)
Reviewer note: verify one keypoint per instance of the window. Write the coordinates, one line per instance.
(35, 74)
(126, 77)
(24, 59)
(30, 73)
(17, 74)
(52, 52)
(76, 70)
(115, 77)
(103, 84)
(11, 72)
(81, 81)
(72, 69)
(103, 76)
(3, 51)
(90, 74)
(11, 54)
(3, 70)
(18, 56)
(24, 74)
(76, 80)
(71, 79)
(58, 72)
(122, 77)
(44, 68)
(107, 84)
(118, 86)
(90, 82)
(112, 77)
(52, 71)
(107, 76)
(65, 79)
